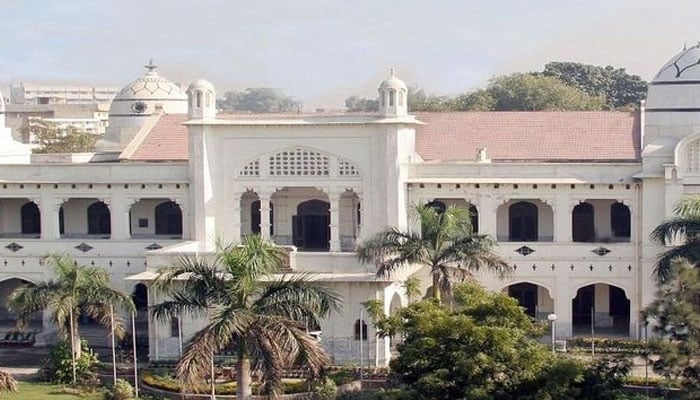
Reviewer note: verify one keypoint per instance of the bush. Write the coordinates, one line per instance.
(59, 367)
(121, 391)
(168, 383)
(325, 390)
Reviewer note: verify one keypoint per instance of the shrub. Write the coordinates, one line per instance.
(325, 389)
(122, 390)
(59, 369)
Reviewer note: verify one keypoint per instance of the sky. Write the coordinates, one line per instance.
(321, 51)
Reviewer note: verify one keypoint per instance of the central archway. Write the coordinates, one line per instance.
(311, 229)
(600, 308)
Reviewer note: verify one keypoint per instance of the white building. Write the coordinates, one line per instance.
(571, 196)
(32, 93)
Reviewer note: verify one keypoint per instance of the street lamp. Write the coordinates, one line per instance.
(552, 321)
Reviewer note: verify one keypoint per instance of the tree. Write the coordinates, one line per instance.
(418, 100)
(75, 290)
(263, 317)
(527, 92)
(361, 104)
(258, 100)
(681, 232)
(676, 320)
(615, 85)
(52, 139)
(446, 244)
(483, 346)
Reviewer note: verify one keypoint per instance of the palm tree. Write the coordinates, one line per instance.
(250, 308)
(682, 232)
(446, 244)
(74, 290)
(7, 382)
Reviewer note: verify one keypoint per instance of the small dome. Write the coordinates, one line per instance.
(685, 66)
(392, 83)
(147, 93)
(201, 84)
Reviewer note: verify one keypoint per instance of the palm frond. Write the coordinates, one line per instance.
(689, 207)
(674, 227)
(296, 297)
(392, 249)
(690, 251)
(7, 382)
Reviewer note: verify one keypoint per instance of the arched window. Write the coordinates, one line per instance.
(255, 218)
(310, 227)
(31, 219)
(582, 223)
(61, 222)
(168, 219)
(392, 94)
(198, 99)
(99, 219)
(523, 222)
(474, 215)
(360, 330)
(620, 221)
(140, 297)
(439, 206)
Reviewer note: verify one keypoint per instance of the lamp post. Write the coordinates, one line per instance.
(552, 321)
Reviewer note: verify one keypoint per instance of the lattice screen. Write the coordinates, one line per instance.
(252, 169)
(299, 162)
(693, 157)
(346, 168)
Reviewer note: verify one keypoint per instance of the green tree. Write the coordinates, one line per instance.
(483, 346)
(446, 244)
(52, 139)
(676, 320)
(258, 100)
(681, 232)
(263, 317)
(527, 92)
(361, 104)
(615, 85)
(75, 290)
(418, 100)
(480, 100)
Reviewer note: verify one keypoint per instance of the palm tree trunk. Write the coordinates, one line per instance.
(75, 342)
(437, 294)
(243, 379)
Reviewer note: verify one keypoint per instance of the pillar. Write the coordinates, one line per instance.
(563, 206)
(360, 224)
(487, 206)
(231, 227)
(264, 196)
(119, 208)
(49, 208)
(334, 200)
(563, 307)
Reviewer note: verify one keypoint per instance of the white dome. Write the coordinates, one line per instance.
(392, 83)
(146, 94)
(677, 85)
(202, 84)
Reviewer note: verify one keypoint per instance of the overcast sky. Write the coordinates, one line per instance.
(321, 51)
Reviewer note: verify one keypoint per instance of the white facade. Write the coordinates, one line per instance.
(577, 231)
(30, 93)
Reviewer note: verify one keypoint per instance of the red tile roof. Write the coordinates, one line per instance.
(594, 136)
(167, 141)
(585, 136)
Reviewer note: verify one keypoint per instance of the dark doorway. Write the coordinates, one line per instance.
(98, 217)
(31, 219)
(474, 215)
(582, 306)
(582, 223)
(523, 222)
(310, 225)
(619, 308)
(620, 221)
(526, 294)
(168, 219)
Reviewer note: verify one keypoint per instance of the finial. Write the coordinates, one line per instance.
(392, 72)
(150, 66)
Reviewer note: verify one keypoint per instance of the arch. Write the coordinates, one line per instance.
(583, 223)
(140, 297)
(30, 219)
(601, 307)
(523, 222)
(474, 215)
(531, 281)
(168, 218)
(360, 330)
(536, 299)
(310, 225)
(683, 153)
(620, 221)
(7, 319)
(255, 217)
(99, 219)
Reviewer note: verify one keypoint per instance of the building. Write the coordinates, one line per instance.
(34, 94)
(89, 118)
(571, 197)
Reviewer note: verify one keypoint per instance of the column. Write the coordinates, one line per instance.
(487, 206)
(185, 219)
(334, 200)
(119, 208)
(49, 208)
(264, 196)
(563, 207)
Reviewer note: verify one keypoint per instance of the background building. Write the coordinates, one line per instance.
(33, 94)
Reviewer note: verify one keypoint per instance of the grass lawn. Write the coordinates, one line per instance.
(40, 391)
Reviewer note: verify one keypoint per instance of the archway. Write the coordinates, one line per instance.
(30, 219)
(583, 223)
(620, 222)
(168, 217)
(98, 219)
(311, 225)
(523, 224)
(535, 299)
(600, 309)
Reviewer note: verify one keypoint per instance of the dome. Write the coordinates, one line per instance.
(392, 83)
(201, 84)
(148, 93)
(685, 66)
(677, 85)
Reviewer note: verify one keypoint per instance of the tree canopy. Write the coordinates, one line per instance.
(258, 100)
(52, 139)
(681, 232)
